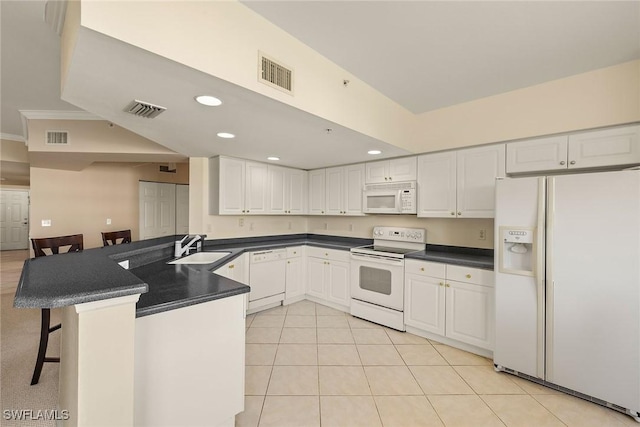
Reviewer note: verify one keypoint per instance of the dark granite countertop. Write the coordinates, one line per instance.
(94, 274)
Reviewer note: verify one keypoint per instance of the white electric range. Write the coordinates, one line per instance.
(377, 274)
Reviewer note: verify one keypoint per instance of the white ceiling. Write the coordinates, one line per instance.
(423, 54)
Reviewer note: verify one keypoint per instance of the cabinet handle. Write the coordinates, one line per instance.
(468, 276)
(390, 178)
(231, 266)
(453, 213)
(321, 211)
(447, 285)
(326, 254)
(288, 262)
(459, 213)
(421, 268)
(294, 252)
(572, 162)
(243, 211)
(385, 178)
(563, 163)
(441, 284)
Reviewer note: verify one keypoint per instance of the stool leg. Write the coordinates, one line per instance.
(44, 340)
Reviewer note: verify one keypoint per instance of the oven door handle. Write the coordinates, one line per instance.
(377, 259)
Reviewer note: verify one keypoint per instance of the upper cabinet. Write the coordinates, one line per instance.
(287, 191)
(237, 187)
(403, 169)
(592, 149)
(343, 190)
(317, 192)
(460, 184)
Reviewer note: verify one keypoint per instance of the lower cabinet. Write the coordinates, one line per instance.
(295, 277)
(328, 275)
(460, 309)
(237, 269)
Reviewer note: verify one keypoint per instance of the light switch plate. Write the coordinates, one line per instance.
(108, 221)
(46, 223)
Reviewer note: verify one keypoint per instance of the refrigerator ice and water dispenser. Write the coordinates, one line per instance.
(517, 251)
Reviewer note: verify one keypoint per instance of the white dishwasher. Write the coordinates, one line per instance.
(267, 274)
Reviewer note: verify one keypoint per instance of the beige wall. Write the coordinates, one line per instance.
(80, 202)
(604, 97)
(13, 151)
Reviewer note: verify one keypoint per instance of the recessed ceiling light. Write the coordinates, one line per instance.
(374, 152)
(210, 101)
(226, 135)
(274, 158)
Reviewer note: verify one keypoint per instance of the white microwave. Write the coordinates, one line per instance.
(390, 198)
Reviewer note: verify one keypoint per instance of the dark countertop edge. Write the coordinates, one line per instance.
(168, 306)
(69, 300)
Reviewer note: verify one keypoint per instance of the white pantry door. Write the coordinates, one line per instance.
(14, 220)
(157, 209)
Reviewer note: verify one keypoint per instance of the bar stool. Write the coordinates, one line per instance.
(112, 236)
(75, 243)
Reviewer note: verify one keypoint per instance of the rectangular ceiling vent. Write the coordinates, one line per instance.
(57, 137)
(274, 74)
(144, 109)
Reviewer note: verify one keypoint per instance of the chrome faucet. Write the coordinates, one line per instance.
(179, 250)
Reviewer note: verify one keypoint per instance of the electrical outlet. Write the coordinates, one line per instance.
(350, 227)
(241, 222)
(251, 226)
(326, 226)
(289, 226)
(46, 223)
(482, 234)
(108, 221)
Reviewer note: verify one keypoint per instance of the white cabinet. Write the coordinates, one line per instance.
(460, 184)
(590, 149)
(295, 277)
(452, 301)
(343, 190)
(402, 169)
(287, 190)
(328, 273)
(237, 187)
(237, 269)
(317, 192)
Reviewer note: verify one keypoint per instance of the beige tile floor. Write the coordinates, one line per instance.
(310, 365)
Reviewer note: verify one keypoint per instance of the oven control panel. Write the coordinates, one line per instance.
(416, 235)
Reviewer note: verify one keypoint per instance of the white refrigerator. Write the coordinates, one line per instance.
(568, 283)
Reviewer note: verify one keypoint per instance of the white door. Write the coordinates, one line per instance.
(295, 277)
(437, 185)
(424, 303)
(477, 171)
(277, 191)
(316, 274)
(14, 220)
(335, 188)
(255, 201)
(403, 169)
(353, 183)
(232, 186)
(338, 289)
(157, 209)
(593, 297)
(166, 209)
(469, 313)
(317, 192)
(182, 209)
(540, 154)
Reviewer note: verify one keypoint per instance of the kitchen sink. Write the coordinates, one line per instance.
(200, 258)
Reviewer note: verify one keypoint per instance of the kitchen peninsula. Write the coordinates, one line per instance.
(139, 338)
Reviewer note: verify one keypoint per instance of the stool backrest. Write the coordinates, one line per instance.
(112, 236)
(75, 243)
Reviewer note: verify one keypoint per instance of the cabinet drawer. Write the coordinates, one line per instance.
(424, 268)
(294, 252)
(470, 275)
(324, 253)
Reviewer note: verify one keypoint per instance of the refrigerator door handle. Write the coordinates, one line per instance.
(540, 275)
(549, 279)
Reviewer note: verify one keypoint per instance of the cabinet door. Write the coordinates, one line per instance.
(437, 185)
(608, 147)
(232, 186)
(424, 305)
(277, 190)
(338, 279)
(403, 169)
(297, 188)
(256, 188)
(166, 209)
(316, 277)
(353, 183)
(376, 172)
(317, 192)
(470, 314)
(477, 170)
(540, 154)
(334, 187)
(295, 277)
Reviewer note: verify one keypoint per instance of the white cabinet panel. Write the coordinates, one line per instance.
(231, 186)
(256, 188)
(616, 146)
(329, 276)
(344, 190)
(460, 183)
(469, 314)
(317, 192)
(537, 154)
(316, 277)
(402, 169)
(297, 196)
(338, 287)
(295, 277)
(334, 191)
(277, 190)
(424, 303)
(287, 190)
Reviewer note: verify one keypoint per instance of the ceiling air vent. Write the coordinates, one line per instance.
(274, 74)
(57, 137)
(144, 109)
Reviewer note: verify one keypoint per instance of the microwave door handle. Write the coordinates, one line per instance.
(399, 201)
